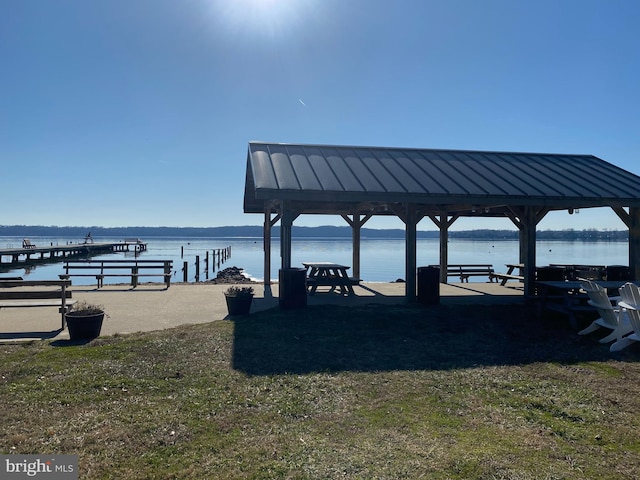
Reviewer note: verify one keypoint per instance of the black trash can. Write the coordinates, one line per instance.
(429, 285)
(292, 288)
(550, 274)
(618, 273)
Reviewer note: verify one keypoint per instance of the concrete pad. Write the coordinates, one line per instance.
(153, 307)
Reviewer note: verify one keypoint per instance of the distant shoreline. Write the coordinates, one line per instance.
(255, 231)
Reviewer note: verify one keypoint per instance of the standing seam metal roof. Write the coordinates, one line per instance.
(336, 173)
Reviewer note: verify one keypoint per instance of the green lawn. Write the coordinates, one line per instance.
(331, 392)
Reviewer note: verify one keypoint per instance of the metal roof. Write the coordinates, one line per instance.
(341, 179)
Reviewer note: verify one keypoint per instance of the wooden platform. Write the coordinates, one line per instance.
(36, 254)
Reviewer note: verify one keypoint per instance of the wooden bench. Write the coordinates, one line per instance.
(36, 293)
(101, 269)
(464, 271)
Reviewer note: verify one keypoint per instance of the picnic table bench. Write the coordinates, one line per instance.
(464, 271)
(326, 274)
(505, 277)
(36, 293)
(101, 269)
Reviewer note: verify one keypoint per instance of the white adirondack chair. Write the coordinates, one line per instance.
(630, 301)
(611, 316)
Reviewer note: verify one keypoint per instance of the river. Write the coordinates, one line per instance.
(382, 260)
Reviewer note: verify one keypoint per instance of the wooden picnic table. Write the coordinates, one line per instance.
(505, 277)
(326, 274)
(512, 266)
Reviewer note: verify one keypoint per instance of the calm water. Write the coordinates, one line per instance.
(381, 260)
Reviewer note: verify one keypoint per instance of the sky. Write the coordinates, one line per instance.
(139, 112)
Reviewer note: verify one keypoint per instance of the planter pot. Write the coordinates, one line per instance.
(239, 305)
(84, 327)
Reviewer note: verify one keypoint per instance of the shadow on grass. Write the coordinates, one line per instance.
(383, 338)
(71, 343)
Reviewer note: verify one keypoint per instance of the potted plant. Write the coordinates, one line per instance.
(239, 300)
(84, 320)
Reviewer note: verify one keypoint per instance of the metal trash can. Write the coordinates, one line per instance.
(429, 285)
(292, 288)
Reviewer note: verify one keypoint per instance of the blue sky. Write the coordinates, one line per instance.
(139, 112)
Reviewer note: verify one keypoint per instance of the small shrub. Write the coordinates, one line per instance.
(84, 308)
(239, 291)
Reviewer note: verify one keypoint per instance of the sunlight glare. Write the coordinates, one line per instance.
(272, 19)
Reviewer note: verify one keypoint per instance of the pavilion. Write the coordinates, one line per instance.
(284, 181)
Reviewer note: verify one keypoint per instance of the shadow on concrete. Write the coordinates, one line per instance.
(118, 288)
(333, 338)
(29, 335)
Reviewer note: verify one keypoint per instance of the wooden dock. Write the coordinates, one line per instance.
(36, 254)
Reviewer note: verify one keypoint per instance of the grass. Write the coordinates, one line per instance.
(331, 392)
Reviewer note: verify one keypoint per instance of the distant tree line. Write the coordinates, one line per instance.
(254, 231)
(564, 235)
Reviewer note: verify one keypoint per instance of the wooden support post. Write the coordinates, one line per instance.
(410, 216)
(634, 242)
(266, 246)
(286, 225)
(632, 221)
(197, 268)
(356, 223)
(443, 223)
(185, 272)
(134, 276)
(167, 273)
